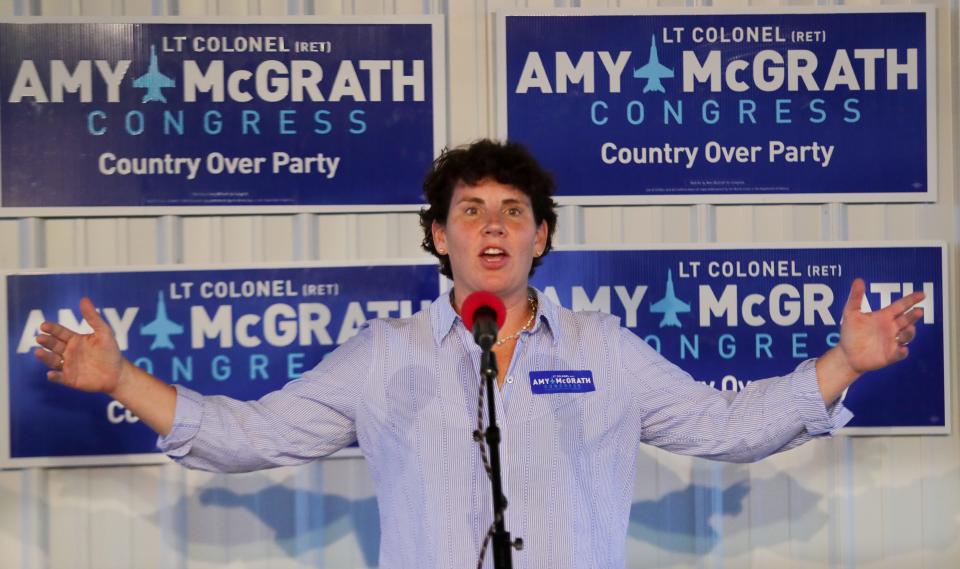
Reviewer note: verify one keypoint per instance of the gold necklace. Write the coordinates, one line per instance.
(532, 302)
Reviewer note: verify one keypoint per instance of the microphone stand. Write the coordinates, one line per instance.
(501, 537)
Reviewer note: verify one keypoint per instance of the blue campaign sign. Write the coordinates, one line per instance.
(729, 316)
(237, 332)
(724, 107)
(178, 115)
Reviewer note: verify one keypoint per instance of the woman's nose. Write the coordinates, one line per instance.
(494, 224)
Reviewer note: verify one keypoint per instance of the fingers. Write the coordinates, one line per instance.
(90, 314)
(901, 353)
(51, 343)
(906, 303)
(911, 317)
(64, 335)
(906, 320)
(53, 361)
(901, 306)
(50, 359)
(906, 335)
(57, 331)
(855, 299)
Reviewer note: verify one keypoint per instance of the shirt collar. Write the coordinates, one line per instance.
(547, 313)
(443, 317)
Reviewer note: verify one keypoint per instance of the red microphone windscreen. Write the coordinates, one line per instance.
(479, 300)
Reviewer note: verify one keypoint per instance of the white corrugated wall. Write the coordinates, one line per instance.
(869, 503)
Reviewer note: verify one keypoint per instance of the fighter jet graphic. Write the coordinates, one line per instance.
(653, 71)
(670, 305)
(162, 327)
(153, 81)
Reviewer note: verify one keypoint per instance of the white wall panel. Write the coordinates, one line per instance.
(336, 236)
(671, 518)
(188, 8)
(789, 223)
(65, 243)
(866, 221)
(111, 520)
(867, 502)
(467, 51)
(202, 239)
(414, 7)
(768, 512)
(135, 8)
(278, 237)
(106, 242)
(303, 231)
(372, 235)
(206, 528)
(69, 517)
(940, 520)
(144, 498)
(902, 503)
(820, 526)
(242, 239)
(602, 224)
(35, 544)
(268, 8)
(30, 243)
(411, 234)
(657, 224)
(9, 243)
(142, 235)
(368, 7)
(11, 518)
(865, 505)
(54, 7)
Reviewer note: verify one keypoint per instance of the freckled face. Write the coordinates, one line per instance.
(491, 237)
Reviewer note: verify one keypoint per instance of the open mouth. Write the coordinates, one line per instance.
(494, 257)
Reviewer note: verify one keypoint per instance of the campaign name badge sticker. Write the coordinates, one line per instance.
(572, 381)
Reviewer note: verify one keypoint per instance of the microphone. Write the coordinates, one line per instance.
(483, 314)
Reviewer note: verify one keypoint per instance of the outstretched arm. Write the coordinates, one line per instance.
(93, 362)
(868, 341)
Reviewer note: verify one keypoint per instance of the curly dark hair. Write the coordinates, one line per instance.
(508, 163)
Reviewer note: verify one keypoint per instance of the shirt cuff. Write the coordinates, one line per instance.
(186, 423)
(817, 417)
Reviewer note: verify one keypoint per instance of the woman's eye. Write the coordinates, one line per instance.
(514, 211)
(470, 211)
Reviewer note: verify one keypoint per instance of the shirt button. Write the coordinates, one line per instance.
(510, 379)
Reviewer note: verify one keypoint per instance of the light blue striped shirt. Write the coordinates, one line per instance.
(407, 389)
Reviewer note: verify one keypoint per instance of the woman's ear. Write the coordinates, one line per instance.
(439, 237)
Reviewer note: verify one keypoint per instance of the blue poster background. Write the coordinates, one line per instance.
(49, 420)
(51, 151)
(879, 136)
(909, 393)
